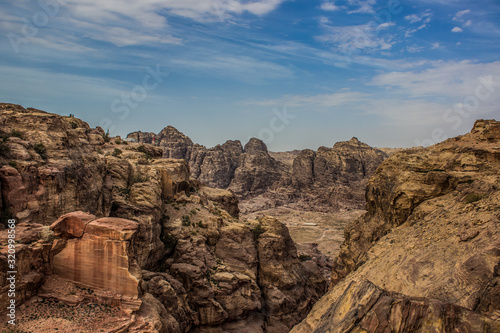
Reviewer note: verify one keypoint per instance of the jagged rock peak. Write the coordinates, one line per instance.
(172, 133)
(486, 129)
(352, 142)
(255, 145)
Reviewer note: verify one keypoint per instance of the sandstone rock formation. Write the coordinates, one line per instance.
(431, 235)
(214, 167)
(135, 231)
(364, 307)
(338, 175)
(330, 178)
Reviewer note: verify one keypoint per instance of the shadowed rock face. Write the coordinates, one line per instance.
(338, 175)
(137, 230)
(364, 307)
(432, 231)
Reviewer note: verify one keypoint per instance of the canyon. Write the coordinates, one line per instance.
(158, 234)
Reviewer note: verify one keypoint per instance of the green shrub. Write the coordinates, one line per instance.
(186, 221)
(139, 179)
(99, 151)
(473, 197)
(4, 149)
(304, 257)
(46, 235)
(118, 141)
(168, 240)
(13, 164)
(257, 231)
(117, 152)
(147, 154)
(74, 125)
(41, 150)
(17, 134)
(106, 136)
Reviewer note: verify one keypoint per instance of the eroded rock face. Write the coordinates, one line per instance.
(432, 230)
(330, 178)
(364, 307)
(288, 287)
(257, 170)
(214, 167)
(156, 239)
(339, 174)
(54, 167)
(100, 258)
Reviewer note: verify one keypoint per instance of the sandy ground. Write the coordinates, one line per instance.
(325, 229)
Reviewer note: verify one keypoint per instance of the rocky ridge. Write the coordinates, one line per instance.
(185, 262)
(326, 179)
(427, 252)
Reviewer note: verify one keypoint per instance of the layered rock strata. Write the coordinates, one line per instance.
(431, 235)
(329, 178)
(134, 230)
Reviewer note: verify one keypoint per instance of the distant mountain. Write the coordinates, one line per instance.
(326, 179)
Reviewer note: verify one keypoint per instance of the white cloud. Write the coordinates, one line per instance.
(242, 68)
(329, 6)
(349, 39)
(423, 19)
(436, 45)
(324, 100)
(461, 13)
(457, 29)
(125, 22)
(147, 12)
(386, 25)
(414, 49)
(362, 6)
(413, 18)
(450, 79)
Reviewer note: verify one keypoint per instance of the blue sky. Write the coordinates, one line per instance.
(298, 74)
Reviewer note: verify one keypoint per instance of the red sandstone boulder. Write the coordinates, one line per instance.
(72, 225)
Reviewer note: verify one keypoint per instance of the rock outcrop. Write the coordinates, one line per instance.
(214, 167)
(256, 170)
(429, 244)
(136, 231)
(338, 175)
(330, 178)
(49, 166)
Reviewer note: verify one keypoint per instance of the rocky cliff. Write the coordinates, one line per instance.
(329, 178)
(426, 255)
(103, 221)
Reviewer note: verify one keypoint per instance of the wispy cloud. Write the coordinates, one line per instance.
(353, 38)
(147, 12)
(423, 19)
(457, 29)
(329, 6)
(240, 68)
(362, 6)
(413, 18)
(448, 79)
(323, 100)
(458, 15)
